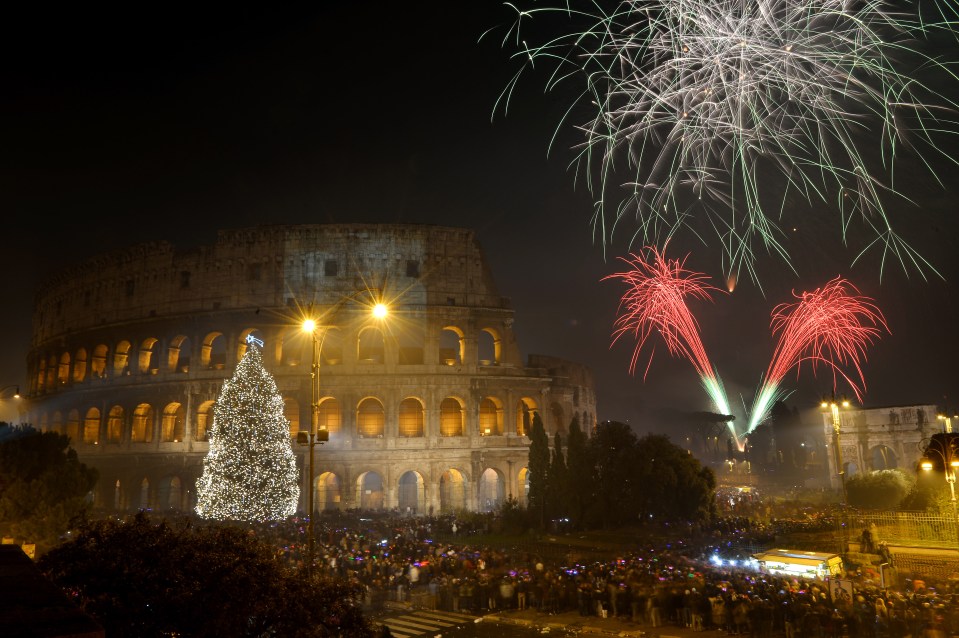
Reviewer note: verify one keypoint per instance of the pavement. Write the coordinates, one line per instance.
(573, 621)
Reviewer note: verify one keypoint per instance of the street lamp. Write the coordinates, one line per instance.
(316, 435)
(945, 448)
(832, 405)
(947, 422)
(16, 391)
(15, 395)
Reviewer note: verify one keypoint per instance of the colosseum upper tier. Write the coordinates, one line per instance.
(426, 410)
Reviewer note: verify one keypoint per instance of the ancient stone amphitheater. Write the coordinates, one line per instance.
(426, 410)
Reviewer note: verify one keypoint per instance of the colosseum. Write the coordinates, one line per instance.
(427, 409)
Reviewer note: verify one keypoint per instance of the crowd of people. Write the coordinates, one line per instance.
(398, 558)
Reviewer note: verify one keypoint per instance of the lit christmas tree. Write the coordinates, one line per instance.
(249, 473)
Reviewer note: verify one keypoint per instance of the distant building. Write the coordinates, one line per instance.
(428, 410)
(881, 438)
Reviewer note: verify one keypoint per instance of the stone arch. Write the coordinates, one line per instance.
(51, 378)
(115, 424)
(328, 492)
(411, 418)
(80, 365)
(851, 468)
(179, 355)
(557, 419)
(63, 369)
(490, 416)
(882, 457)
(56, 423)
(331, 347)
(121, 358)
(293, 348)
(452, 346)
(98, 362)
(523, 480)
(213, 351)
(330, 416)
(411, 493)
(147, 359)
(73, 426)
(291, 412)
(172, 423)
(451, 417)
(489, 347)
(525, 409)
(91, 426)
(204, 421)
(141, 430)
(370, 418)
(170, 493)
(144, 494)
(371, 345)
(370, 492)
(491, 490)
(453, 491)
(41, 374)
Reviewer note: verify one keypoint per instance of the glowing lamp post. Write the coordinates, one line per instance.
(832, 406)
(947, 453)
(16, 391)
(946, 422)
(316, 435)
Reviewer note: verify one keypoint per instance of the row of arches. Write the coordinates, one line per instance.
(289, 347)
(370, 418)
(368, 491)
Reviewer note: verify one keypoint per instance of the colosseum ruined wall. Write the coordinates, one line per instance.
(427, 410)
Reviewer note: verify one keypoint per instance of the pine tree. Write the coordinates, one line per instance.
(538, 471)
(557, 490)
(579, 472)
(249, 473)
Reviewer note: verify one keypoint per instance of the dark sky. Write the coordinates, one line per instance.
(156, 122)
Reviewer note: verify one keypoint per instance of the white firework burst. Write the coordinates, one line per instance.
(710, 114)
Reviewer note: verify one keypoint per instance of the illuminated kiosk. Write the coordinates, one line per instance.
(799, 564)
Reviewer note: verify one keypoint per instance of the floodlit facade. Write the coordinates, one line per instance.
(882, 438)
(427, 409)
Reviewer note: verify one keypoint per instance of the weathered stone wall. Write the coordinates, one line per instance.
(149, 333)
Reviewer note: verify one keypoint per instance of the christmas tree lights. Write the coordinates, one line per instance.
(249, 473)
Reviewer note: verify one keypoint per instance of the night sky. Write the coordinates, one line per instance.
(126, 126)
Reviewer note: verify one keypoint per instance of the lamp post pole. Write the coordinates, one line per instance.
(317, 436)
(950, 465)
(833, 407)
(312, 438)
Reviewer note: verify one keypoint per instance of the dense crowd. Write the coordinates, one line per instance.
(398, 558)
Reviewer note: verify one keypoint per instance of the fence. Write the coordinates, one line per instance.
(905, 528)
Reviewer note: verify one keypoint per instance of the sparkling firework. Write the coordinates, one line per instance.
(831, 325)
(704, 114)
(655, 301)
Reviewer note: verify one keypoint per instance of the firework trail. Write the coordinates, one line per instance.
(831, 325)
(655, 301)
(703, 114)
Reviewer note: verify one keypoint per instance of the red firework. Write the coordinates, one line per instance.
(831, 325)
(656, 301)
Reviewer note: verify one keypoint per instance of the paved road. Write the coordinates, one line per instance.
(422, 622)
(410, 622)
